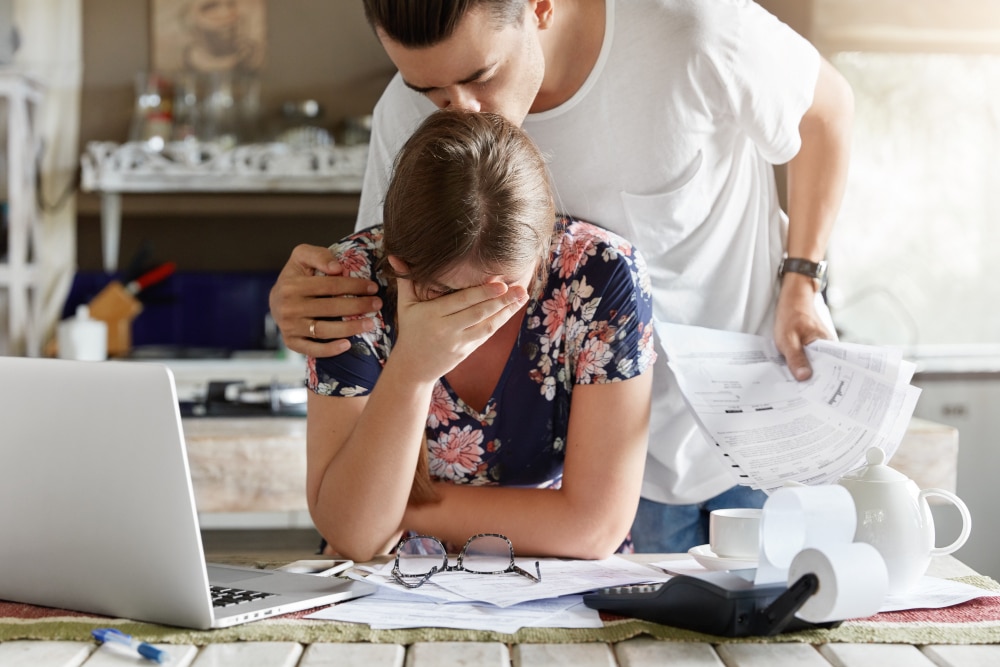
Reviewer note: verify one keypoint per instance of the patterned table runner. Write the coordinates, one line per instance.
(973, 622)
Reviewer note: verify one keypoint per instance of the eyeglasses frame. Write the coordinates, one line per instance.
(458, 566)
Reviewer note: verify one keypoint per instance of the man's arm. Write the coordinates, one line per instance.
(817, 176)
(302, 296)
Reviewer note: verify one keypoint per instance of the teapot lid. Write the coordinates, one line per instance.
(876, 470)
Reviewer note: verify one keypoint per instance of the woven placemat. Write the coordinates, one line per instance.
(973, 622)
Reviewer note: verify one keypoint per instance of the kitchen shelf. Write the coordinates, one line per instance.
(19, 274)
(203, 172)
(211, 205)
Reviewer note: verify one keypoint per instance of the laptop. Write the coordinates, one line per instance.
(97, 511)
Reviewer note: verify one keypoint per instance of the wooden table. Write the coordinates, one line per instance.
(635, 652)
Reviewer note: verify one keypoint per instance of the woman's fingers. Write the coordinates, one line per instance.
(489, 307)
(437, 334)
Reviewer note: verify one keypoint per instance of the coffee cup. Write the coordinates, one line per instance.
(735, 532)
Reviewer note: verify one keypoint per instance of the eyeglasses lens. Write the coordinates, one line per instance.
(488, 553)
(420, 555)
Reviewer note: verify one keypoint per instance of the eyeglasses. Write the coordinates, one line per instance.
(420, 557)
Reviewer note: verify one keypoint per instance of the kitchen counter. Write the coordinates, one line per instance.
(258, 464)
(247, 464)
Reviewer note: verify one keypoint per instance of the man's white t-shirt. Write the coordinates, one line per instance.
(670, 142)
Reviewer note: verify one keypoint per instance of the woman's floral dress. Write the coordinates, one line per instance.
(591, 324)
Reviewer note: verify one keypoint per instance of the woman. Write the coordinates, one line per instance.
(505, 386)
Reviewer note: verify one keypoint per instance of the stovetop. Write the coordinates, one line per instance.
(235, 398)
(231, 387)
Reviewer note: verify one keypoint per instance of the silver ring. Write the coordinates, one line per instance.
(312, 329)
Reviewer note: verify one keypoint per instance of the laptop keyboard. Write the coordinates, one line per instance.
(223, 596)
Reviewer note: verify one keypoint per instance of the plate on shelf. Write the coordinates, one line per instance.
(707, 558)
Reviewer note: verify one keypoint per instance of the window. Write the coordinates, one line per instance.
(915, 253)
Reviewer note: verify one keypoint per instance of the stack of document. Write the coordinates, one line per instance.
(772, 429)
(499, 603)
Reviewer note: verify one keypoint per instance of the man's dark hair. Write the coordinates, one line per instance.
(420, 23)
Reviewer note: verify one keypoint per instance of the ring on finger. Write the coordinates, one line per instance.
(312, 328)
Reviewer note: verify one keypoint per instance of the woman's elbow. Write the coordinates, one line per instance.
(597, 547)
(347, 541)
(359, 553)
(359, 547)
(602, 538)
(598, 551)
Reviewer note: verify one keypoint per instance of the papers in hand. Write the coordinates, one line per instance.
(773, 429)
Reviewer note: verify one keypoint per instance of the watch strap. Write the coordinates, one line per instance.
(814, 270)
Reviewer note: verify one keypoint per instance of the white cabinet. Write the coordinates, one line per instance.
(969, 401)
(20, 96)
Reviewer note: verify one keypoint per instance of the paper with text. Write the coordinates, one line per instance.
(559, 577)
(929, 593)
(388, 609)
(771, 428)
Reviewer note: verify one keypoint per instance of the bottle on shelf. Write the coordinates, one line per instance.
(82, 337)
(152, 119)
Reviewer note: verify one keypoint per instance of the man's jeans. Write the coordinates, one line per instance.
(660, 528)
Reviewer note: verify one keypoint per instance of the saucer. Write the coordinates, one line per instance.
(707, 558)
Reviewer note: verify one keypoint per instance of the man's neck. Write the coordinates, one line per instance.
(571, 47)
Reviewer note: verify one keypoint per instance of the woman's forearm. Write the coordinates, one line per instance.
(590, 515)
(539, 522)
(358, 494)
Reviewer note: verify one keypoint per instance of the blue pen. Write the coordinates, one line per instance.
(147, 651)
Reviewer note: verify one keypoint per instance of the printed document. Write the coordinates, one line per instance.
(929, 593)
(388, 609)
(559, 577)
(501, 603)
(773, 429)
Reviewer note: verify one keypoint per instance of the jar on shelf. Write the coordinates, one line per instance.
(355, 130)
(152, 118)
(301, 125)
(187, 107)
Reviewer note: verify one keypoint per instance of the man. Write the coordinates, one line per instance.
(661, 120)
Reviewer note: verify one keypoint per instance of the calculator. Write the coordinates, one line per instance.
(715, 603)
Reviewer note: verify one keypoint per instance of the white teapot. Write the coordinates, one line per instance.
(893, 516)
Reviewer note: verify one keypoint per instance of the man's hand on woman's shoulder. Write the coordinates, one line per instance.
(312, 296)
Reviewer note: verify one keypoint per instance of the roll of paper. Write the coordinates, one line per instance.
(853, 581)
(802, 517)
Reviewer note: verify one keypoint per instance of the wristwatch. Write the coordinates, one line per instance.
(815, 270)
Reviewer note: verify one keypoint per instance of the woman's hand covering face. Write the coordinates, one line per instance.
(437, 334)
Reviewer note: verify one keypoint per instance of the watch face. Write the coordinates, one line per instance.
(821, 276)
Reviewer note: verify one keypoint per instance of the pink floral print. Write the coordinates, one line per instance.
(456, 454)
(591, 323)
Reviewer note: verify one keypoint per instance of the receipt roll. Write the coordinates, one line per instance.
(853, 581)
(802, 517)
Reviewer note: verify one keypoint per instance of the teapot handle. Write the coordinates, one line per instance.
(966, 520)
